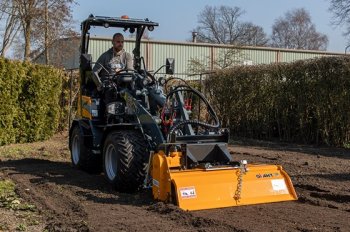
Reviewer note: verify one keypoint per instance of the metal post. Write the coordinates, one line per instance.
(346, 48)
(70, 98)
(194, 36)
(199, 102)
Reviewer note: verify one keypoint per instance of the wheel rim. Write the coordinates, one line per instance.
(111, 162)
(76, 150)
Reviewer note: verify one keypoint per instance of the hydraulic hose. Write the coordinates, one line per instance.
(211, 111)
(192, 122)
(200, 95)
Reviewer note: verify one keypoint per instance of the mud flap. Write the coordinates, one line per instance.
(198, 189)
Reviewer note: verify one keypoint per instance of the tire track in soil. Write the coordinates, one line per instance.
(321, 183)
(189, 219)
(72, 200)
(61, 209)
(155, 216)
(285, 216)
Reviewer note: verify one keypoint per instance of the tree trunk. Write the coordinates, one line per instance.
(47, 54)
(27, 31)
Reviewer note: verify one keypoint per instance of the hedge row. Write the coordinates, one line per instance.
(306, 101)
(29, 101)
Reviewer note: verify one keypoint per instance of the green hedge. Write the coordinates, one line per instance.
(306, 101)
(29, 101)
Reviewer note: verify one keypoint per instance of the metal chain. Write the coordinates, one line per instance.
(241, 171)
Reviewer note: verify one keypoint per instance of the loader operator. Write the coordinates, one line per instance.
(109, 63)
(114, 59)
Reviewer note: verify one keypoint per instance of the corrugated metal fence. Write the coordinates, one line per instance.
(156, 52)
(65, 54)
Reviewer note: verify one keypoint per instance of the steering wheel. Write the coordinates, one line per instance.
(124, 75)
(123, 70)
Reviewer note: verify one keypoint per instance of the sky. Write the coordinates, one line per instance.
(177, 18)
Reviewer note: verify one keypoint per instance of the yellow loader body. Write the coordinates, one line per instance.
(220, 186)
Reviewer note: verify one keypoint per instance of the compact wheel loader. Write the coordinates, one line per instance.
(140, 136)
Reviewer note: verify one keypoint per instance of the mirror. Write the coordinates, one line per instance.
(170, 66)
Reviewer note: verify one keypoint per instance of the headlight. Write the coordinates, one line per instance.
(116, 108)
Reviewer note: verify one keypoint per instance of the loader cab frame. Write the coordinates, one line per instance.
(137, 26)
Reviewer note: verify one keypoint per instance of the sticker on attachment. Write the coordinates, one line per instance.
(278, 185)
(94, 113)
(155, 182)
(188, 192)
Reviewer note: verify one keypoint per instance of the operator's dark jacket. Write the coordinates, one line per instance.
(107, 57)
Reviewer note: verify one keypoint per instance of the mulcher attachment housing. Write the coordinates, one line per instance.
(188, 175)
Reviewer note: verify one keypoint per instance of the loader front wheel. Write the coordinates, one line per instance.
(81, 157)
(125, 160)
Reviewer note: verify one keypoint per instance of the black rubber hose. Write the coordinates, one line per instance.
(200, 95)
(192, 122)
(176, 78)
(195, 122)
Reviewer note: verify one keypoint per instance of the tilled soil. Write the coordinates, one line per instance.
(72, 200)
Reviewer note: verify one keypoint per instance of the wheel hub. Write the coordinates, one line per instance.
(76, 149)
(111, 162)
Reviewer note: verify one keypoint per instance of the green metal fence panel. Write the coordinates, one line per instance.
(288, 56)
(156, 52)
(182, 54)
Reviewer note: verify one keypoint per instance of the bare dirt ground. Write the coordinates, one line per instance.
(71, 200)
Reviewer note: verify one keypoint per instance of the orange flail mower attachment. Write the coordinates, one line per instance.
(225, 186)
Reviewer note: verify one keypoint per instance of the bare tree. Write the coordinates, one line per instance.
(341, 12)
(24, 12)
(296, 31)
(46, 19)
(222, 25)
(29, 15)
(56, 23)
(253, 35)
(9, 25)
(27, 12)
(225, 58)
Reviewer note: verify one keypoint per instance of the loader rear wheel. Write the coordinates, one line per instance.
(82, 158)
(125, 160)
